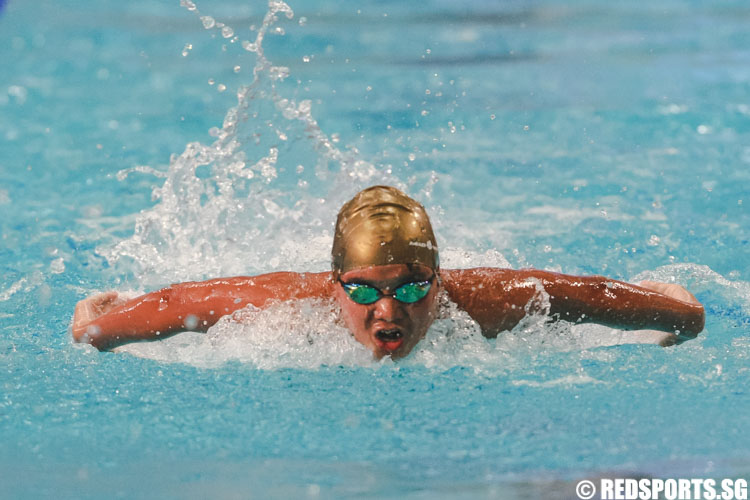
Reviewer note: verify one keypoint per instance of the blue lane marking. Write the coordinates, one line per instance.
(733, 313)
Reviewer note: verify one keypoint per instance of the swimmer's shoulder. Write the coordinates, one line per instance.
(289, 284)
(476, 276)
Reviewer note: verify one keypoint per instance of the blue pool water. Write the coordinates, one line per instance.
(566, 135)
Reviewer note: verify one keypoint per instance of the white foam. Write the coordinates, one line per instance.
(297, 334)
(564, 381)
(459, 258)
(12, 289)
(701, 279)
(308, 334)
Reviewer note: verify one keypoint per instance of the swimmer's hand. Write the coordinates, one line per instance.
(87, 310)
(676, 292)
(670, 290)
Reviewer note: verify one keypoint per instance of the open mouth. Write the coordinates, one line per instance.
(389, 335)
(390, 339)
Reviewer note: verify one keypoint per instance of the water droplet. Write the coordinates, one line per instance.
(412, 157)
(57, 266)
(208, 22)
(249, 46)
(18, 92)
(221, 87)
(187, 4)
(278, 72)
(268, 172)
(300, 169)
(191, 322)
(227, 32)
(306, 59)
(272, 208)
(237, 69)
(313, 490)
(186, 49)
(302, 21)
(425, 112)
(211, 81)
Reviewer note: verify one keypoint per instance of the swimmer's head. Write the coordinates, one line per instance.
(382, 226)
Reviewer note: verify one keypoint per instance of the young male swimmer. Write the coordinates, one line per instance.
(386, 280)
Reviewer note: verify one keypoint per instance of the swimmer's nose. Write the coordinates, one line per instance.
(386, 308)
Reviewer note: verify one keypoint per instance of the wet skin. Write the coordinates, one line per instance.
(495, 298)
(388, 326)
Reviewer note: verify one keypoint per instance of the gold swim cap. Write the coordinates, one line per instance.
(381, 226)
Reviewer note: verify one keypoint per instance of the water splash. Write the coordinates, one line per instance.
(263, 197)
(299, 334)
(308, 334)
(701, 279)
(12, 289)
(242, 205)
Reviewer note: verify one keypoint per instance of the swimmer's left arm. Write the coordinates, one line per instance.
(498, 299)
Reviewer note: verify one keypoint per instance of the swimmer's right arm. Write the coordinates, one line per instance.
(107, 320)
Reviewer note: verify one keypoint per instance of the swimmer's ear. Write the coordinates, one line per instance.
(438, 279)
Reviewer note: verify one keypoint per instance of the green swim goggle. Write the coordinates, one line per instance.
(408, 293)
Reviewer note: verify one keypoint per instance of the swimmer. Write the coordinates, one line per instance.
(386, 281)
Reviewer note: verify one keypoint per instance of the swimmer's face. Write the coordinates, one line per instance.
(389, 326)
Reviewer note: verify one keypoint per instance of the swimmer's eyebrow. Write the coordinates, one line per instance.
(401, 281)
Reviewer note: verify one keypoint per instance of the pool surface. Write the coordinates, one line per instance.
(144, 143)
